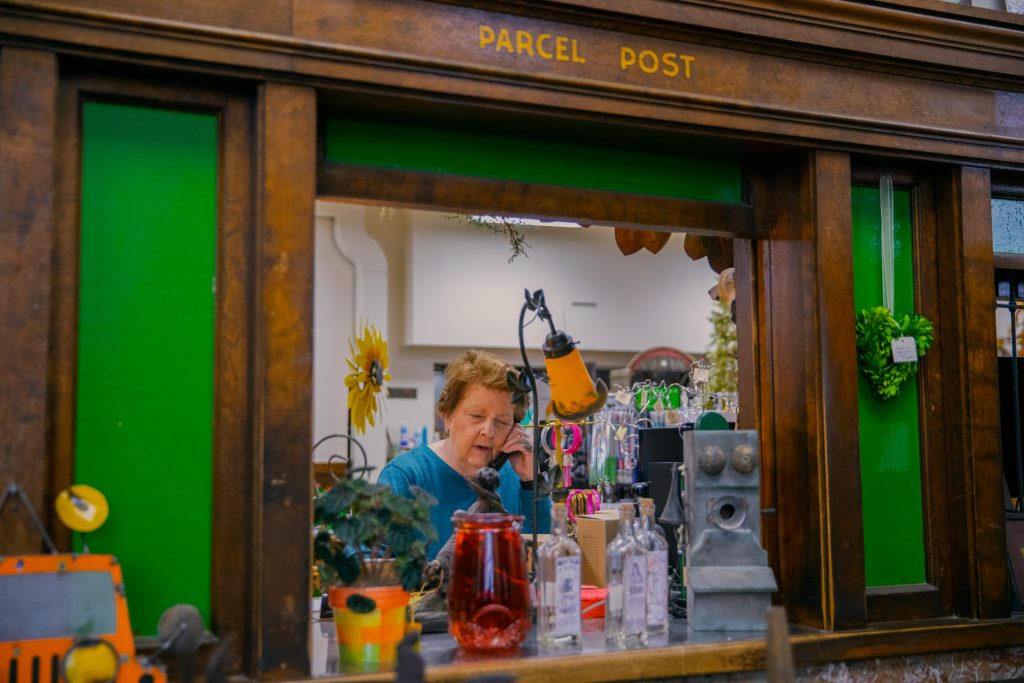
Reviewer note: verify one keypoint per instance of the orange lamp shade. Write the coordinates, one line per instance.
(574, 395)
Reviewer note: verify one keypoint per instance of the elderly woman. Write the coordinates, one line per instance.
(481, 417)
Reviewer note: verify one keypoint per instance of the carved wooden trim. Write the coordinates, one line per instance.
(439, 192)
(1008, 261)
(233, 481)
(282, 391)
(968, 228)
(836, 418)
(917, 31)
(28, 111)
(64, 299)
(944, 541)
(232, 478)
(920, 39)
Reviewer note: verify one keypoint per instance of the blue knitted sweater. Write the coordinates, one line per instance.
(424, 468)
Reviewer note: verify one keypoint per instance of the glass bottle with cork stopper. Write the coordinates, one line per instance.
(558, 582)
(656, 549)
(625, 621)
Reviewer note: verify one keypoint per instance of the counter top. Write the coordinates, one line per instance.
(681, 652)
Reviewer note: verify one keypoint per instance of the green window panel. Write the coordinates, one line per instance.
(549, 162)
(890, 452)
(144, 411)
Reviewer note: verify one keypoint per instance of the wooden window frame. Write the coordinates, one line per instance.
(232, 550)
(934, 597)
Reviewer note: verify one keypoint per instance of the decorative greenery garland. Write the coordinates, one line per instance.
(876, 330)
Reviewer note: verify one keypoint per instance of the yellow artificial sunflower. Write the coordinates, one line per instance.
(369, 365)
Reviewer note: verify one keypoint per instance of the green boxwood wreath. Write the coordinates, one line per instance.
(876, 329)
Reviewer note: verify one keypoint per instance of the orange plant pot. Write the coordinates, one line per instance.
(373, 637)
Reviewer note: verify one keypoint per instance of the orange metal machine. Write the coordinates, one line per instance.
(64, 617)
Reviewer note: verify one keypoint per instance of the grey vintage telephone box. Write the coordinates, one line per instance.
(729, 582)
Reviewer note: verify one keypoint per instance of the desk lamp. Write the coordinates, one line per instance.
(574, 395)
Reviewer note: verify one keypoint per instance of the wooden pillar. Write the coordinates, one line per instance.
(283, 345)
(971, 398)
(807, 370)
(28, 108)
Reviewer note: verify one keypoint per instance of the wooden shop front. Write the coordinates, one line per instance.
(764, 121)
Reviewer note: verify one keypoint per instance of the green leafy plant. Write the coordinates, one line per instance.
(368, 535)
(722, 350)
(876, 330)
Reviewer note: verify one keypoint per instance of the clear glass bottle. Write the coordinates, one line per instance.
(656, 549)
(558, 581)
(625, 622)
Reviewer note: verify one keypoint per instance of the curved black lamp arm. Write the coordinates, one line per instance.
(534, 303)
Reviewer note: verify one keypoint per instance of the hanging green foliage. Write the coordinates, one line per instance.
(876, 330)
(509, 226)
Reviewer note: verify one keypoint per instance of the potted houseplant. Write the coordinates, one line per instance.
(370, 549)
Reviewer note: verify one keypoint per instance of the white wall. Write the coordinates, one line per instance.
(350, 288)
(462, 290)
(447, 286)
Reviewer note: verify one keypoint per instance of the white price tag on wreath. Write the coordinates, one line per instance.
(904, 350)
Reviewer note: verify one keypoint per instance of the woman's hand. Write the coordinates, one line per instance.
(520, 445)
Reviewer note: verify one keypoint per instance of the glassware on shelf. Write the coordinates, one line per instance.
(488, 593)
(558, 581)
(625, 621)
(700, 376)
(656, 553)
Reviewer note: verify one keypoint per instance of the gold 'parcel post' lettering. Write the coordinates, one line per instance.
(670, 64)
(520, 42)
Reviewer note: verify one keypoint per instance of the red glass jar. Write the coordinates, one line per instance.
(489, 592)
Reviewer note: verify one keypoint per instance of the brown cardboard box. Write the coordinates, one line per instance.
(594, 533)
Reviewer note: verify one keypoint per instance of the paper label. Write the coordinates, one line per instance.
(635, 587)
(904, 350)
(657, 587)
(700, 374)
(567, 602)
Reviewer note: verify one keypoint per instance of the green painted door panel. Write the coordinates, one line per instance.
(144, 407)
(486, 155)
(890, 453)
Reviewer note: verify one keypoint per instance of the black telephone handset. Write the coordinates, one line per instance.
(500, 461)
(502, 458)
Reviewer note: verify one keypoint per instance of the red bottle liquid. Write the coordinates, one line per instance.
(488, 593)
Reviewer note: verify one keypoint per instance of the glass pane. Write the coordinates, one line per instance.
(57, 605)
(146, 346)
(1003, 289)
(1008, 226)
(890, 450)
(1004, 335)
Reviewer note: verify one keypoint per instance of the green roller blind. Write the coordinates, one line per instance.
(144, 410)
(890, 453)
(611, 167)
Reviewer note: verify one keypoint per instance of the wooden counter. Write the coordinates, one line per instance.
(683, 653)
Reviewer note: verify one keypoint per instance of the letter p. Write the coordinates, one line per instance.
(486, 35)
(627, 57)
